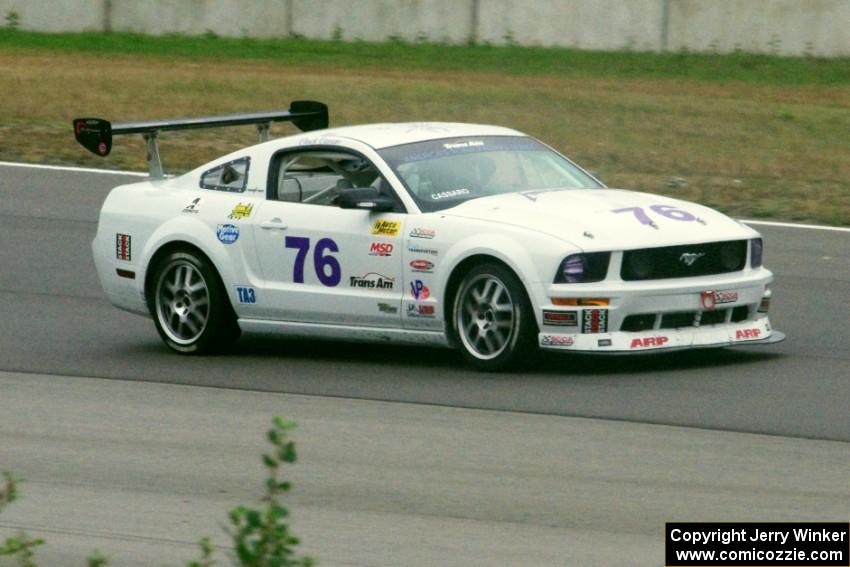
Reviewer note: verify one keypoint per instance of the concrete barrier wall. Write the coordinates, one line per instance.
(784, 27)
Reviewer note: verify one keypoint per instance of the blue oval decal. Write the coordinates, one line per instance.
(227, 233)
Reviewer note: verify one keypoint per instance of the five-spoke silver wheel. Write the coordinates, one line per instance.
(182, 302)
(485, 317)
(491, 319)
(189, 304)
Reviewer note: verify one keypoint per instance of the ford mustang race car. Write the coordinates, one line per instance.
(471, 236)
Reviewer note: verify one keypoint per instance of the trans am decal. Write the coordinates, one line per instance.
(372, 280)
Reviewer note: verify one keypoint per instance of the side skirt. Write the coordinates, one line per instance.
(344, 332)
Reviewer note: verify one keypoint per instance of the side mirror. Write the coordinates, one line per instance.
(367, 198)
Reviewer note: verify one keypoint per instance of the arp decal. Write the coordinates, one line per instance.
(419, 290)
(594, 321)
(123, 250)
(423, 233)
(562, 318)
(381, 249)
(709, 299)
(227, 233)
(747, 334)
(557, 340)
(647, 342)
(193, 206)
(384, 227)
(325, 264)
(241, 211)
(421, 266)
(417, 250)
(419, 310)
(246, 295)
(372, 280)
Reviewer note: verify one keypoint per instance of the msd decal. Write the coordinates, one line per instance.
(594, 321)
(747, 334)
(122, 247)
(647, 342)
(419, 290)
(381, 249)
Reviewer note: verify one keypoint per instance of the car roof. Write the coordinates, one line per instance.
(395, 133)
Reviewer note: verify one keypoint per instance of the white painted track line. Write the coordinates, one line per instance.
(143, 174)
(74, 169)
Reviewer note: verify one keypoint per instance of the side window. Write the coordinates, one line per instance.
(231, 176)
(316, 177)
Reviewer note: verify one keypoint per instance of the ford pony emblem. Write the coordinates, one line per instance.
(690, 257)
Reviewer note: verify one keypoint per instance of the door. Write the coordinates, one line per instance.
(321, 263)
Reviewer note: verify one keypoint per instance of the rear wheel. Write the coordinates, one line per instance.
(492, 318)
(190, 307)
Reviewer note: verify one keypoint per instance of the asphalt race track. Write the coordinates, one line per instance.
(57, 321)
(525, 484)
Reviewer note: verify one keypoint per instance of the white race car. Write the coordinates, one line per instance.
(471, 236)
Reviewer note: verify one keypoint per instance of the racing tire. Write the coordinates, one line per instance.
(492, 319)
(189, 306)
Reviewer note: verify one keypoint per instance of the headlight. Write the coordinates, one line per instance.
(756, 252)
(583, 268)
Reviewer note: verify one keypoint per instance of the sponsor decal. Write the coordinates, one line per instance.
(418, 250)
(419, 290)
(418, 310)
(123, 247)
(604, 342)
(647, 342)
(372, 280)
(747, 334)
(557, 340)
(241, 211)
(227, 233)
(711, 298)
(193, 206)
(450, 194)
(381, 249)
(421, 266)
(246, 294)
(690, 258)
(423, 233)
(469, 144)
(387, 308)
(384, 227)
(594, 321)
(563, 318)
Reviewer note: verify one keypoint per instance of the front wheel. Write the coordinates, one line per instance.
(190, 307)
(492, 318)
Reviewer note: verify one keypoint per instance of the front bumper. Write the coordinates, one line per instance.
(661, 315)
(747, 333)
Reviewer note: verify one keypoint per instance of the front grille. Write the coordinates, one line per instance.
(678, 320)
(686, 261)
(638, 323)
(713, 317)
(740, 313)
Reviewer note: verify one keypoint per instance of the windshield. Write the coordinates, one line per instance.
(440, 174)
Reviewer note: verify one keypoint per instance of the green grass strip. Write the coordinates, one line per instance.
(515, 60)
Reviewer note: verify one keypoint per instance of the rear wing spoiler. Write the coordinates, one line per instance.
(95, 134)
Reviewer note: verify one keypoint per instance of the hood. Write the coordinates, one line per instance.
(606, 219)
